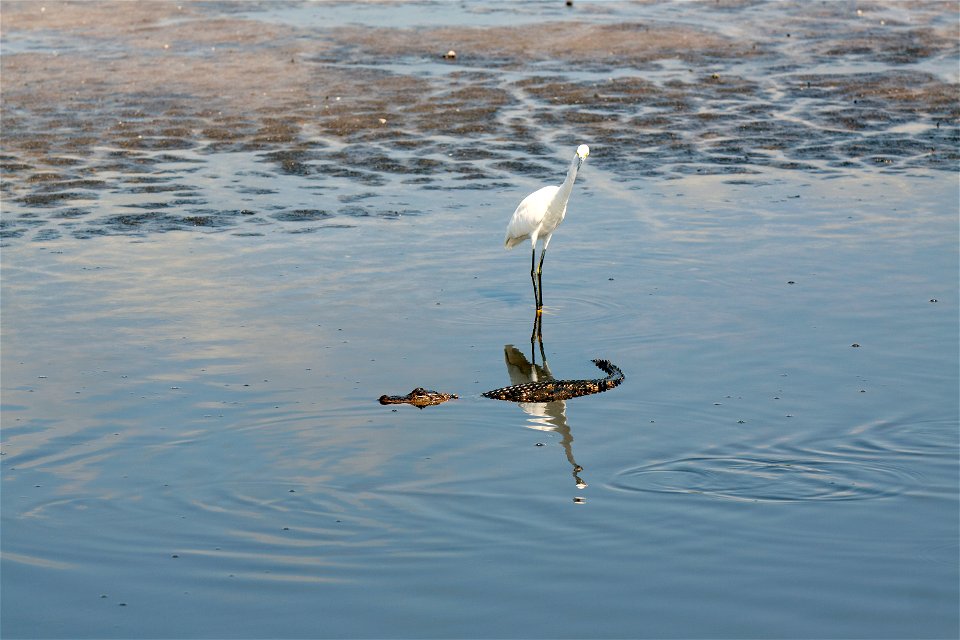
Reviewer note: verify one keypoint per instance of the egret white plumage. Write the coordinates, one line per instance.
(538, 216)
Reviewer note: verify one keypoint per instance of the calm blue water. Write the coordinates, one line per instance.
(192, 445)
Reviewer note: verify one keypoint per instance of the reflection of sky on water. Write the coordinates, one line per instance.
(186, 322)
(211, 393)
(157, 338)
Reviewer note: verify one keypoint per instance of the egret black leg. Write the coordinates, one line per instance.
(533, 277)
(540, 279)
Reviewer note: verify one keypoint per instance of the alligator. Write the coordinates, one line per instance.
(543, 391)
(419, 397)
(554, 390)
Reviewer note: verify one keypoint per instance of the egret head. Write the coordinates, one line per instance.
(583, 151)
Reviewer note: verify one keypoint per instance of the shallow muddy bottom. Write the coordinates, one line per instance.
(196, 334)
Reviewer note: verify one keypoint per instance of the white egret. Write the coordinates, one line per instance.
(538, 216)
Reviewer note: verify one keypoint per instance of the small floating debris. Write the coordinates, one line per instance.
(450, 55)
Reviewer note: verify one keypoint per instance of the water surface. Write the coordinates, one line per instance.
(216, 257)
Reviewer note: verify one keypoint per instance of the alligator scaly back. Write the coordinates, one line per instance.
(554, 390)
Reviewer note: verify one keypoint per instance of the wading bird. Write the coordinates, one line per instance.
(537, 217)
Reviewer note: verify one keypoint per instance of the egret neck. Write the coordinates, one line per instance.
(563, 195)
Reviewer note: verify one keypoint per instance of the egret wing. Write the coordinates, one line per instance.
(528, 216)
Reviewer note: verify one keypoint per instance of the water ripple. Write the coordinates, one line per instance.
(913, 437)
(768, 479)
(560, 309)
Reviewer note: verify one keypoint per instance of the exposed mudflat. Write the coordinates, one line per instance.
(132, 103)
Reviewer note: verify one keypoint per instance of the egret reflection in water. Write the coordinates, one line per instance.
(543, 416)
